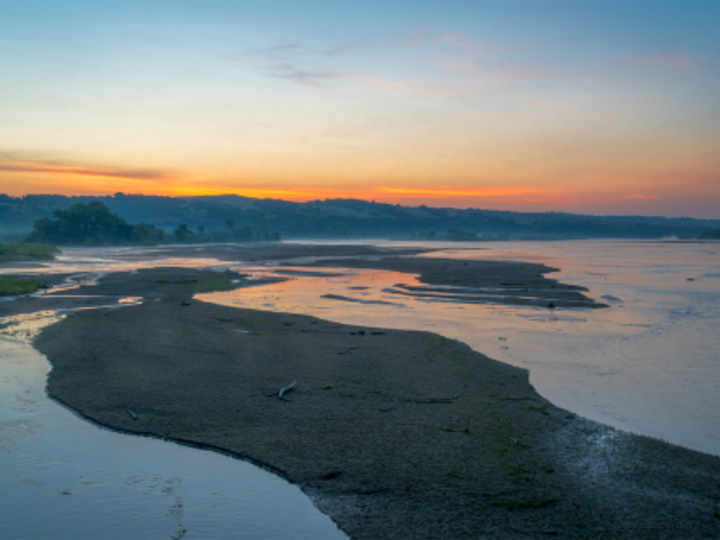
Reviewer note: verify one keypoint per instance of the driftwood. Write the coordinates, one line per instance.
(132, 414)
(437, 400)
(284, 390)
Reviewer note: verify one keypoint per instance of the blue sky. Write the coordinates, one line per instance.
(587, 106)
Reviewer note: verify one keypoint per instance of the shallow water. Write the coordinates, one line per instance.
(75, 260)
(63, 477)
(647, 364)
(650, 363)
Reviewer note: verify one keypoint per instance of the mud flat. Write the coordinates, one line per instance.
(394, 434)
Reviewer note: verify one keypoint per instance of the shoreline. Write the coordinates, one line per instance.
(394, 434)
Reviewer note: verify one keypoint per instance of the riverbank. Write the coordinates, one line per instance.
(12, 253)
(15, 252)
(393, 434)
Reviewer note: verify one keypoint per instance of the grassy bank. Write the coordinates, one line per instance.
(27, 252)
(12, 285)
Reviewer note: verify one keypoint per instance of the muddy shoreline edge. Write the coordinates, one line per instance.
(393, 434)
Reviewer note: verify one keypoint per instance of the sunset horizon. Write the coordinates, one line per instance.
(501, 200)
(359, 269)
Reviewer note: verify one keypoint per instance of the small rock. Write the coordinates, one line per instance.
(332, 474)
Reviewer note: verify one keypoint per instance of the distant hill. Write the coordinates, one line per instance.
(348, 219)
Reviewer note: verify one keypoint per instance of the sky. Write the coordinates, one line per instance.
(594, 107)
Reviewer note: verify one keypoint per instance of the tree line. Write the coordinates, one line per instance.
(208, 217)
(93, 223)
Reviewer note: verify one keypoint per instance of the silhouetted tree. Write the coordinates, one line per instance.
(183, 234)
(90, 223)
(143, 233)
(711, 235)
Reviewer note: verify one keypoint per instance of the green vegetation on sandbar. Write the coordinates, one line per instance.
(27, 252)
(210, 286)
(12, 285)
(203, 282)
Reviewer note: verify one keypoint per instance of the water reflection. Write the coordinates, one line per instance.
(647, 364)
(94, 261)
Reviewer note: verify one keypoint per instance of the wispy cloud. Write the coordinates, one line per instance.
(674, 61)
(291, 72)
(290, 61)
(54, 168)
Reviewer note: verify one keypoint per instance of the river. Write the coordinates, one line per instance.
(648, 363)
